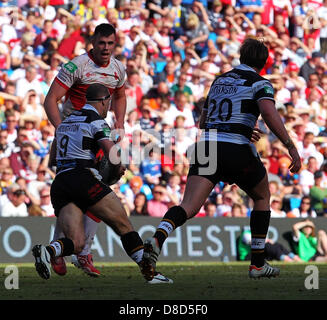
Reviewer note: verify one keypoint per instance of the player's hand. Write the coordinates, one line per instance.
(296, 163)
(119, 131)
(256, 135)
(121, 171)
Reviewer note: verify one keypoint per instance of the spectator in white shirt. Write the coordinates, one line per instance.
(13, 203)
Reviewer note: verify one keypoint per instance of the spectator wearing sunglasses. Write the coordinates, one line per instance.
(13, 203)
(305, 209)
(158, 206)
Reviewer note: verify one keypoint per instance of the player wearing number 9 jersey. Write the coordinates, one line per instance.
(225, 153)
(72, 81)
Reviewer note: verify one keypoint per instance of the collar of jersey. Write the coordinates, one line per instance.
(245, 67)
(91, 57)
(89, 107)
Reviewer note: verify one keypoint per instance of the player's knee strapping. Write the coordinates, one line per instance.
(133, 245)
(259, 224)
(174, 218)
(61, 248)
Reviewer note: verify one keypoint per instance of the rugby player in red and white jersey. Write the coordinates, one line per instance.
(96, 66)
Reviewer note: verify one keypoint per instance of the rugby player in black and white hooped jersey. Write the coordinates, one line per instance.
(96, 66)
(78, 188)
(224, 153)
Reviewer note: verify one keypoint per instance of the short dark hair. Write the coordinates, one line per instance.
(96, 91)
(104, 30)
(254, 53)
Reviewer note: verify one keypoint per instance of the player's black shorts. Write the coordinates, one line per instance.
(227, 162)
(79, 186)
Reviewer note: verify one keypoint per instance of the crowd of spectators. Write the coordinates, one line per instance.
(172, 51)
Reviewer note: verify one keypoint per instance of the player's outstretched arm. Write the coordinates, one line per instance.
(56, 92)
(275, 124)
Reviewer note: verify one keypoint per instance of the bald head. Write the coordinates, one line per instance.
(97, 92)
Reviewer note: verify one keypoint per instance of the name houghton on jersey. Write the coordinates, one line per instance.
(69, 128)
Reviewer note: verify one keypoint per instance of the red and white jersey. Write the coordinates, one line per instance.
(82, 71)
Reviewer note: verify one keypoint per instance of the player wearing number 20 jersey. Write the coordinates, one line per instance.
(232, 109)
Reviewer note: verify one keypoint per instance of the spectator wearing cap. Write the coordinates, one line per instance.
(318, 194)
(310, 65)
(32, 124)
(13, 204)
(293, 80)
(310, 126)
(134, 187)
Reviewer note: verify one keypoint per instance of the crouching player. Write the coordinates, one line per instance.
(78, 186)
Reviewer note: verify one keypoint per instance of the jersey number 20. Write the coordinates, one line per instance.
(225, 101)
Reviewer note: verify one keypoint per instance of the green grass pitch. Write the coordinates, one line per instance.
(192, 281)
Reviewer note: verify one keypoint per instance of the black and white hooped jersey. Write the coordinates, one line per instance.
(78, 136)
(231, 105)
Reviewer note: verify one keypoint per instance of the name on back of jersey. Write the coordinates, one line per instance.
(68, 128)
(227, 85)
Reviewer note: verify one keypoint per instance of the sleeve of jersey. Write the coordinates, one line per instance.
(100, 130)
(263, 90)
(122, 75)
(68, 74)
